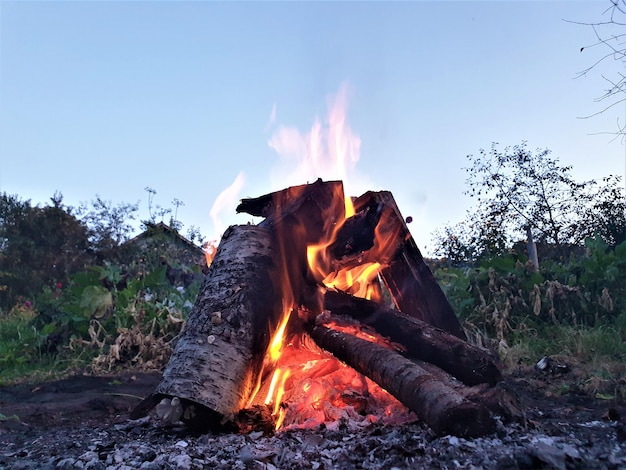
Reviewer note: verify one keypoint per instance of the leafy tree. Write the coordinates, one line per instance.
(606, 217)
(516, 189)
(39, 246)
(109, 227)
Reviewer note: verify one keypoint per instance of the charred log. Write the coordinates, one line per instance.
(468, 363)
(499, 399)
(218, 357)
(441, 407)
(355, 237)
(407, 277)
(315, 207)
(300, 216)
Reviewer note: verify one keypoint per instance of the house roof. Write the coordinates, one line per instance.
(165, 229)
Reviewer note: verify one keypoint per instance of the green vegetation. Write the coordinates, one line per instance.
(573, 309)
(573, 303)
(77, 293)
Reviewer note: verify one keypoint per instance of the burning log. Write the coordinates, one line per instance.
(262, 272)
(313, 208)
(379, 233)
(300, 216)
(470, 364)
(217, 359)
(441, 407)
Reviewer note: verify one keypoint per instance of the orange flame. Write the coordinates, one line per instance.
(314, 381)
(210, 249)
(276, 344)
(356, 281)
(329, 150)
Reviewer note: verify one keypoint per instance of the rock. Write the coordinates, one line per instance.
(181, 461)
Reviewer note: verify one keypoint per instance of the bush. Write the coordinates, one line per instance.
(505, 295)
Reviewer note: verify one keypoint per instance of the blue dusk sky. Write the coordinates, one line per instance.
(210, 102)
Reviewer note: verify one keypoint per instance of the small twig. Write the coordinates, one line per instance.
(127, 395)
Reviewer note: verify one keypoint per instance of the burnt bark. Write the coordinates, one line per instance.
(404, 272)
(315, 208)
(300, 216)
(468, 363)
(217, 359)
(441, 407)
(499, 399)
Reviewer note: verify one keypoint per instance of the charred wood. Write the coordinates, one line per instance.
(441, 407)
(408, 278)
(468, 363)
(499, 399)
(315, 207)
(356, 237)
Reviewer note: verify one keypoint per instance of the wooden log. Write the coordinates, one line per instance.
(356, 238)
(468, 363)
(408, 278)
(499, 399)
(300, 216)
(441, 407)
(316, 207)
(218, 357)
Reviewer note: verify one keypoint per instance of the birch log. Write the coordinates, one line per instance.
(218, 357)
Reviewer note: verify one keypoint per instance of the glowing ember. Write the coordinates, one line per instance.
(311, 387)
(316, 387)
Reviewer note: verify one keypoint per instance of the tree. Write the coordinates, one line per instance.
(516, 189)
(39, 246)
(606, 217)
(109, 226)
(609, 37)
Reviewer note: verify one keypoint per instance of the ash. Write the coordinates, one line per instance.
(146, 445)
(88, 428)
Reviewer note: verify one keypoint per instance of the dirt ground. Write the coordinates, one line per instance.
(83, 422)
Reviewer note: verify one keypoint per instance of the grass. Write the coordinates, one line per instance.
(596, 356)
(22, 358)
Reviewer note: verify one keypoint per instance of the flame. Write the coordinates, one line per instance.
(330, 150)
(386, 237)
(226, 200)
(210, 249)
(349, 207)
(275, 395)
(356, 281)
(276, 345)
(316, 385)
(279, 377)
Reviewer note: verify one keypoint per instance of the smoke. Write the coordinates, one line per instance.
(226, 203)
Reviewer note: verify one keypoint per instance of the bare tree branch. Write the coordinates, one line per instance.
(615, 42)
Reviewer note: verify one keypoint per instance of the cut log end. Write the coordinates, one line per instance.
(222, 378)
(465, 420)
